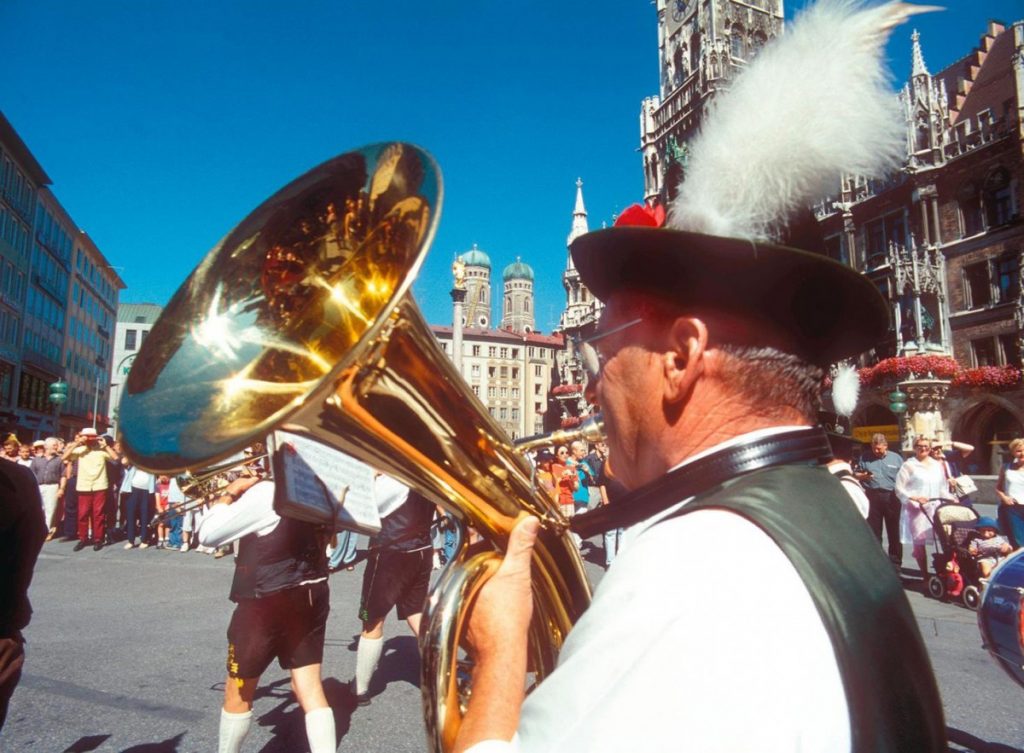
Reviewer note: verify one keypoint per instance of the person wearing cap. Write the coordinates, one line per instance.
(989, 546)
(91, 452)
(707, 364)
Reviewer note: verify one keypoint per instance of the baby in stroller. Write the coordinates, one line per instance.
(957, 572)
(988, 546)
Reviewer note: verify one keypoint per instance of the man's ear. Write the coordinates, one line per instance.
(684, 357)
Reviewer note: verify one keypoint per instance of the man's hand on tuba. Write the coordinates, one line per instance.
(498, 622)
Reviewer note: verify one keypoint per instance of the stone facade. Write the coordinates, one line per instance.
(701, 45)
(944, 240)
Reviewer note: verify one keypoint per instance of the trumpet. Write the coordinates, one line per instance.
(302, 319)
(591, 430)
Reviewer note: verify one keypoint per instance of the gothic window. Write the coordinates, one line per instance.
(483, 295)
(923, 141)
(969, 203)
(679, 65)
(879, 233)
(508, 303)
(998, 197)
(695, 52)
(526, 305)
(737, 47)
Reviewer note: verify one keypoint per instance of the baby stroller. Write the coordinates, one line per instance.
(957, 574)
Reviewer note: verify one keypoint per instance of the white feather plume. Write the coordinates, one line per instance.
(845, 390)
(813, 104)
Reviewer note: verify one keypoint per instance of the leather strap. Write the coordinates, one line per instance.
(802, 446)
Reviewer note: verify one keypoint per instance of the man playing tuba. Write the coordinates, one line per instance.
(751, 608)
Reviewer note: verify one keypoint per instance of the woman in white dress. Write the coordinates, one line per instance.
(1010, 488)
(921, 486)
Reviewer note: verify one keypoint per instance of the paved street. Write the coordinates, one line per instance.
(126, 653)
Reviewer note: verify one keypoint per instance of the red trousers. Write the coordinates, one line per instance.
(90, 505)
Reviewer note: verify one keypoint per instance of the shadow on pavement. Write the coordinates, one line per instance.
(971, 744)
(86, 744)
(167, 746)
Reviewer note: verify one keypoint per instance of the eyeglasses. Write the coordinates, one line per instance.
(591, 357)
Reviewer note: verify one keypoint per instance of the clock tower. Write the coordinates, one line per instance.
(701, 46)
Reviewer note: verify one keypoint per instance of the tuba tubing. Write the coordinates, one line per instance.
(302, 319)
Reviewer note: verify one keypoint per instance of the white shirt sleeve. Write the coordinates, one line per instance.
(495, 746)
(682, 650)
(253, 512)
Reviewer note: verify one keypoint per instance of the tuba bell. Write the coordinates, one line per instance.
(302, 319)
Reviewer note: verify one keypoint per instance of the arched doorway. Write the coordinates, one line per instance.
(989, 426)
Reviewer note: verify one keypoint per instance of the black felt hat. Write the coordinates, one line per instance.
(826, 310)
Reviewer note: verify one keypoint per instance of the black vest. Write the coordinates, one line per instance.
(408, 527)
(292, 553)
(890, 689)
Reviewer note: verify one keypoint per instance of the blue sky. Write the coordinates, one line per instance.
(162, 124)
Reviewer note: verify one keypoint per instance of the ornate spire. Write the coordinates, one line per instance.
(918, 68)
(579, 219)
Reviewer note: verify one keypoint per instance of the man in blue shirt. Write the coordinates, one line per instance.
(877, 474)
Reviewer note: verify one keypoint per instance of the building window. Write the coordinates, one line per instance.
(515, 372)
(1010, 346)
(536, 389)
(504, 352)
(129, 339)
(878, 234)
(979, 289)
(490, 372)
(736, 46)
(1007, 278)
(504, 372)
(476, 390)
(490, 392)
(476, 350)
(515, 414)
(491, 351)
(969, 202)
(515, 353)
(515, 393)
(504, 392)
(538, 370)
(999, 207)
(531, 351)
(475, 370)
(984, 352)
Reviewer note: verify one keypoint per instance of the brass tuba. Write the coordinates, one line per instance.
(302, 319)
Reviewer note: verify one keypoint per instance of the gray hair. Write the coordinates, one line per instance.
(771, 379)
(879, 438)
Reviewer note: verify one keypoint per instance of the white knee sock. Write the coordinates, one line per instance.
(366, 661)
(320, 731)
(233, 730)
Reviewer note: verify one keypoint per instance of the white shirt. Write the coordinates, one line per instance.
(691, 648)
(1013, 480)
(253, 512)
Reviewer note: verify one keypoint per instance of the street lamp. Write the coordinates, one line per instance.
(58, 396)
(898, 405)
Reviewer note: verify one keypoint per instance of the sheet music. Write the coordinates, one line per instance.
(312, 477)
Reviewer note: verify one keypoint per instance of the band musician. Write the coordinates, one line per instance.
(282, 602)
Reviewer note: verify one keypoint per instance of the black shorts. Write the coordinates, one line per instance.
(395, 579)
(288, 625)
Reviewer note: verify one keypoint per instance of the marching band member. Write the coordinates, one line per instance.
(706, 365)
(282, 602)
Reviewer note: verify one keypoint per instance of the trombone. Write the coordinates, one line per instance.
(199, 488)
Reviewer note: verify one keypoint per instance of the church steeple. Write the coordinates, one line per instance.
(579, 219)
(918, 68)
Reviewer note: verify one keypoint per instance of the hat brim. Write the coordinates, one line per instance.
(825, 310)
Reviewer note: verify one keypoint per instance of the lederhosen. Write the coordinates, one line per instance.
(893, 700)
(280, 586)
